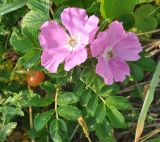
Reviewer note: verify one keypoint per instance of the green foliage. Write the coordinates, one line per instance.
(136, 71)
(116, 8)
(20, 43)
(104, 132)
(69, 112)
(81, 92)
(85, 97)
(100, 113)
(41, 6)
(58, 130)
(48, 87)
(36, 17)
(119, 102)
(115, 117)
(6, 130)
(12, 6)
(154, 140)
(146, 64)
(144, 18)
(30, 59)
(128, 21)
(39, 102)
(92, 105)
(89, 77)
(41, 119)
(66, 98)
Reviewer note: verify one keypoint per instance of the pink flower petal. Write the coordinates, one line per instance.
(99, 44)
(128, 48)
(74, 19)
(75, 58)
(52, 35)
(102, 68)
(51, 59)
(119, 69)
(90, 29)
(115, 33)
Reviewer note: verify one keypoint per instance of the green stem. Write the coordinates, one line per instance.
(30, 113)
(147, 102)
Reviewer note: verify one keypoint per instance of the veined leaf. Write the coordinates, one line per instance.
(20, 43)
(69, 112)
(41, 119)
(66, 98)
(4, 9)
(58, 130)
(39, 6)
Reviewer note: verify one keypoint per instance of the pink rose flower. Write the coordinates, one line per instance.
(60, 45)
(113, 48)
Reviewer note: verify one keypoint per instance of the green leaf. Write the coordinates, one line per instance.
(154, 140)
(69, 112)
(4, 75)
(35, 18)
(116, 118)
(147, 64)
(6, 130)
(20, 43)
(33, 134)
(92, 105)
(58, 2)
(109, 90)
(115, 8)
(119, 102)
(41, 119)
(127, 20)
(11, 111)
(136, 71)
(39, 6)
(4, 9)
(58, 130)
(85, 97)
(89, 77)
(66, 98)
(144, 19)
(32, 21)
(100, 113)
(30, 59)
(48, 87)
(40, 102)
(104, 132)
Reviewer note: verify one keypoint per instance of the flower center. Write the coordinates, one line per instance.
(108, 54)
(72, 42)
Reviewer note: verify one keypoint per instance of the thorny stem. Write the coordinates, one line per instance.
(55, 102)
(30, 113)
